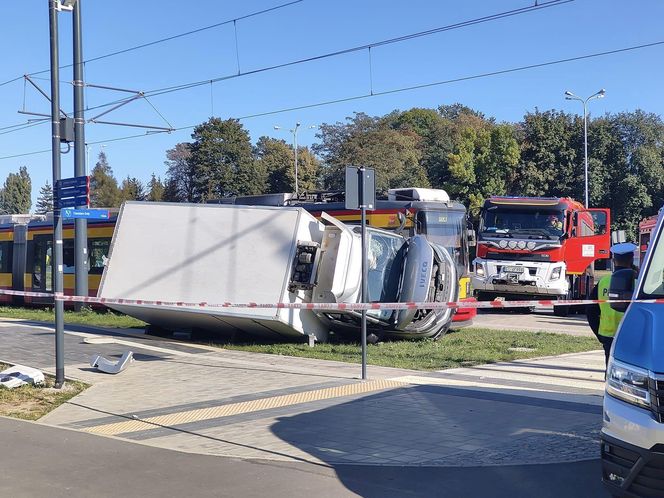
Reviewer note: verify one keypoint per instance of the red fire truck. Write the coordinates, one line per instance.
(646, 227)
(538, 248)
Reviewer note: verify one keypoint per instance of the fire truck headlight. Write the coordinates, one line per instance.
(521, 244)
(555, 274)
(502, 244)
(512, 244)
(479, 269)
(627, 383)
(531, 245)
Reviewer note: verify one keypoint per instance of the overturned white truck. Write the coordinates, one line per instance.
(198, 253)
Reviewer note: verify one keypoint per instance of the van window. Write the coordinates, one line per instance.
(653, 279)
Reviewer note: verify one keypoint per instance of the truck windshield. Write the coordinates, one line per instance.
(447, 229)
(386, 256)
(524, 223)
(653, 279)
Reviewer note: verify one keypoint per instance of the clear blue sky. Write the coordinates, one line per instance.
(309, 28)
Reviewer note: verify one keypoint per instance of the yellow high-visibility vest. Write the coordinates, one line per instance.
(609, 319)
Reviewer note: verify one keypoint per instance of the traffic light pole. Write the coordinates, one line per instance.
(56, 249)
(81, 225)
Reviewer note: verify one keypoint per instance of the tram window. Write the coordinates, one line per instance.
(5, 257)
(68, 257)
(98, 250)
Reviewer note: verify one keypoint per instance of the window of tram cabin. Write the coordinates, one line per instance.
(6, 253)
(98, 254)
(40, 263)
(448, 229)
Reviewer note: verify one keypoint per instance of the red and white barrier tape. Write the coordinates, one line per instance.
(325, 306)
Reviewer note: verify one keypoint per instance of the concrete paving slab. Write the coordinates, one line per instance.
(230, 403)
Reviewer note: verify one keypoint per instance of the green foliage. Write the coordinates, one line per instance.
(179, 185)
(394, 154)
(458, 349)
(15, 197)
(155, 189)
(221, 161)
(45, 199)
(104, 191)
(132, 190)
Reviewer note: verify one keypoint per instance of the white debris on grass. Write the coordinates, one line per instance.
(20, 375)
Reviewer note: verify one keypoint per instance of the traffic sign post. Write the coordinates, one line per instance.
(361, 193)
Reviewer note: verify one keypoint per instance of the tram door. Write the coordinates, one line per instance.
(42, 268)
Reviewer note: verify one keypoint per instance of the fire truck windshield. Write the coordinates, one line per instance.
(447, 229)
(523, 223)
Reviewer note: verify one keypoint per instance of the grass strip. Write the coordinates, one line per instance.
(86, 316)
(467, 347)
(30, 402)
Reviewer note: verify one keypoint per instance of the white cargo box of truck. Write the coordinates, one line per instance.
(204, 253)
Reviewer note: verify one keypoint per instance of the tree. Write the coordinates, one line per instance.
(308, 170)
(221, 149)
(17, 192)
(45, 199)
(277, 160)
(155, 189)
(132, 190)
(104, 190)
(179, 174)
(550, 164)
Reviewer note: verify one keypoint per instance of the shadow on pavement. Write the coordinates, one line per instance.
(431, 441)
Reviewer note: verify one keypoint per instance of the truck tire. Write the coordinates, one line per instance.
(565, 310)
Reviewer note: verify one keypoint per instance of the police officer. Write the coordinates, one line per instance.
(604, 320)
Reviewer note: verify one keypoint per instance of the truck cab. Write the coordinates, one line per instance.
(632, 437)
(529, 248)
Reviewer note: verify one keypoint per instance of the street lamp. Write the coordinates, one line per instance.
(294, 132)
(570, 96)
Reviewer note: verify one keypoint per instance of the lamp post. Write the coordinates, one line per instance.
(294, 132)
(570, 96)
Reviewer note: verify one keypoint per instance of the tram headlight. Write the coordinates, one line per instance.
(627, 383)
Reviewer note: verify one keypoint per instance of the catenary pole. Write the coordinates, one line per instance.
(56, 250)
(365, 294)
(81, 224)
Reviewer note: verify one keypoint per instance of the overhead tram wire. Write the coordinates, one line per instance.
(174, 37)
(411, 36)
(386, 92)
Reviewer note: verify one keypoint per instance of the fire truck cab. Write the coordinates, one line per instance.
(533, 247)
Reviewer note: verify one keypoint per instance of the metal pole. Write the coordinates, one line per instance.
(81, 225)
(297, 190)
(57, 221)
(363, 210)
(585, 145)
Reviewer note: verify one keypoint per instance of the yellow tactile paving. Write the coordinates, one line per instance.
(201, 414)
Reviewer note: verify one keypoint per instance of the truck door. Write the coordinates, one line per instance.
(590, 239)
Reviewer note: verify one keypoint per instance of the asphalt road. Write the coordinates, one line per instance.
(39, 460)
(539, 320)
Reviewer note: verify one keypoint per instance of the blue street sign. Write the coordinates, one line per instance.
(90, 214)
(63, 193)
(70, 203)
(77, 181)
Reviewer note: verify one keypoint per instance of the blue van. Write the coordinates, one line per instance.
(632, 438)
